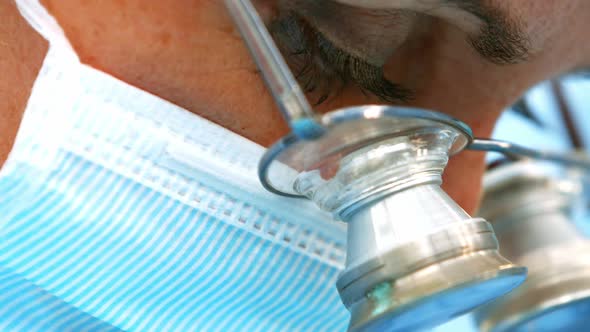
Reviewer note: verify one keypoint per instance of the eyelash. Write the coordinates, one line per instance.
(320, 67)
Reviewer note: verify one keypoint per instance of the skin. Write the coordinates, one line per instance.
(21, 55)
(188, 52)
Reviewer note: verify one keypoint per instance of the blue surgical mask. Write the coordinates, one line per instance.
(121, 211)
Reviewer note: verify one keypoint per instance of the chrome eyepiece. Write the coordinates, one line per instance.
(415, 259)
(529, 206)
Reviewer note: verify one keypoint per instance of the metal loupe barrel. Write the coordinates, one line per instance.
(528, 207)
(415, 259)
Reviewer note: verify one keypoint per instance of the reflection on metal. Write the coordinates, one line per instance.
(529, 204)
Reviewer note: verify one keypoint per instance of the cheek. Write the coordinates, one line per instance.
(187, 52)
(462, 180)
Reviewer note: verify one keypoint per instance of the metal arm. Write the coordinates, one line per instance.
(516, 151)
(279, 79)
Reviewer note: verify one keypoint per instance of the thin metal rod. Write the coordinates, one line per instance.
(522, 107)
(516, 151)
(566, 114)
(286, 91)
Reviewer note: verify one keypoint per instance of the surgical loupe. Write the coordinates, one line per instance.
(529, 205)
(414, 258)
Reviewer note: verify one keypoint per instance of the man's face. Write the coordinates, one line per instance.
(469, 59)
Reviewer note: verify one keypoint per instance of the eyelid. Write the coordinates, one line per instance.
(321, 67)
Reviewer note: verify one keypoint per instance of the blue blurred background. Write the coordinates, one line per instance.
(538, 122)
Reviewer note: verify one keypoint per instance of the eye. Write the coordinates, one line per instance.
(323, 69)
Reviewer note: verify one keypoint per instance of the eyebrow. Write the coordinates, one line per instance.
(501, 39)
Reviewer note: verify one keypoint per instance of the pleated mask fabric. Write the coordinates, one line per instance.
(120, 211)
